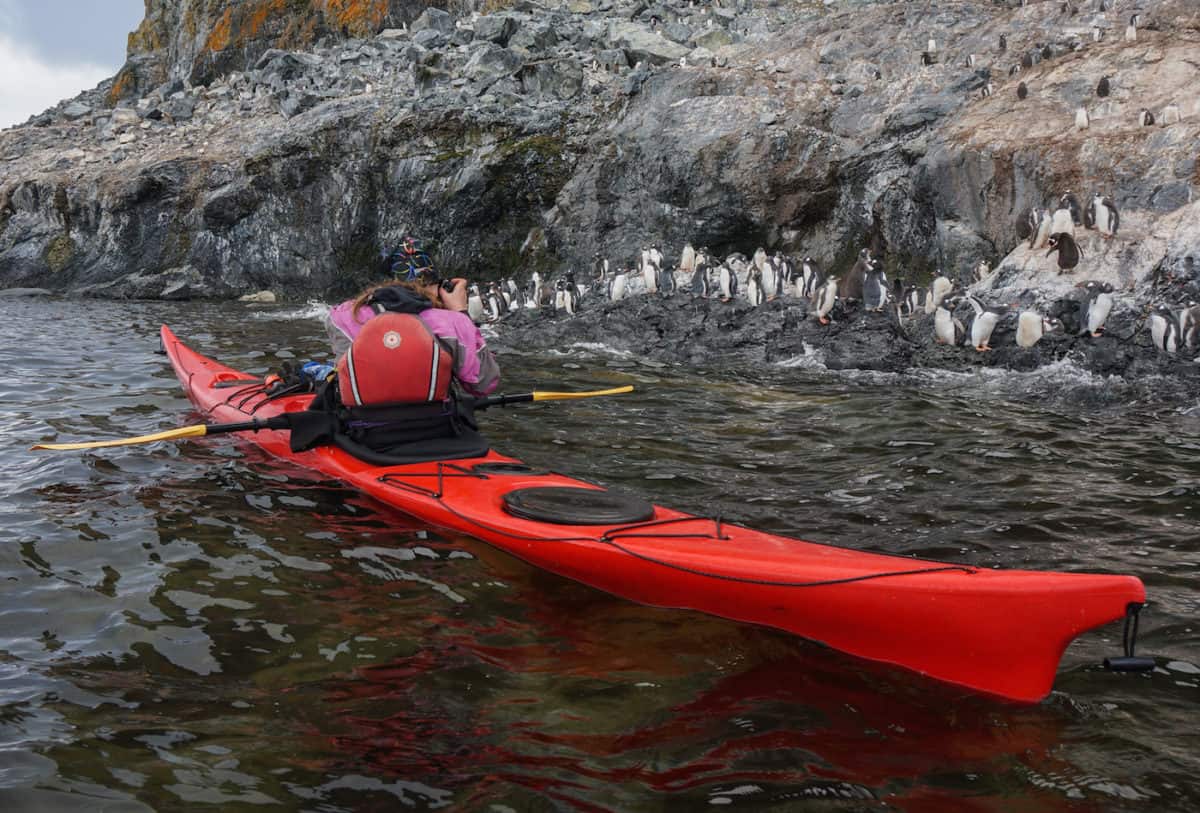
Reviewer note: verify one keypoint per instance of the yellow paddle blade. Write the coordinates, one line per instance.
(562, 396)
(173, 434)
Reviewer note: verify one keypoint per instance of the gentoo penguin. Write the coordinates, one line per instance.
(687, 259)
(1189, 325)
(939, 288)
(785, 274)
(1102, 88)
(852, 286)
(982, 270)
(913, 299)
(984, 323)
(1164, 328)
(1170, 115)
(810, 278)
(931, 46)
(1031, 326)
(1022, 91)
(493, 305)
(1102, 212)
(1030, 59)
(947, 329)
(760, 258)
(928, 58)
(1081, 118)
(824, 298)
(1029, 224)
(754, 287)
(766, 276)
(875, 287)
(619, 282)
(1039, 222)
(1068, 251)
(474, 303)
(1145, 118)
(656, 256)
(700, 284)
(986, 90)
(1014, 70)
(1047, 52)
(1094, 308)
(1097, 33)
(727, 282)
(1131, 29)
(649, 272)
(535, 282)
(1003, 43)
(666, 280)
(1062, 222)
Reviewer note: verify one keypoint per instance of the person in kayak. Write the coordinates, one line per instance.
(443, 309)
(410, 363)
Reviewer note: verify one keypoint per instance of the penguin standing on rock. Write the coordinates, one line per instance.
(824, 299)
(984, 323)
(620, 281)
(946, 328)
(1022, 91)
(912, 301)
(1031, 326)
(1103, 216)
(1170, 115)
(1082, 122)
(1145, 118)
(939, 288)
(474, 303)
(1068, 251)
(1003, 43)
(754, 287)
(1164, 328)
(852, 286)
(1071, 203)
(1131, 29)
(1103, 87)
(728, 282)
(875, 287)
(700, 284)
(1094, 308)
(809, 278)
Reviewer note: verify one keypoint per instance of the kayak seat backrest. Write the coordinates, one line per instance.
(568, 505)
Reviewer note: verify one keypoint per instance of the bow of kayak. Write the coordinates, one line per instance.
(993, 631)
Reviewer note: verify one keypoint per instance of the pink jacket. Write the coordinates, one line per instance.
(475, 367)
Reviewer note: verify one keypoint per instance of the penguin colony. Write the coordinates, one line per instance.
(763, 278)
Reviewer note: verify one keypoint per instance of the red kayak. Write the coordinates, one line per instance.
(1001, 632)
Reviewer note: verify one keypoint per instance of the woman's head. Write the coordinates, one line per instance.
(421, 287)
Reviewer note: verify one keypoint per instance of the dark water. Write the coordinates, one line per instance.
(195, 626)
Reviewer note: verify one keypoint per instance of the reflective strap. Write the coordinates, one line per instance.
(433, 369)
(353, 378)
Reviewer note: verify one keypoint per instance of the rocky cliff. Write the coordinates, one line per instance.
(278, 143)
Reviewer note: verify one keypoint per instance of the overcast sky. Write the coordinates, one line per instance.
(52, 49)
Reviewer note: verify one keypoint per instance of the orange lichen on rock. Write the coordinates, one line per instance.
(261, 11)
(358, 17)
(222, 30)
(123, 85)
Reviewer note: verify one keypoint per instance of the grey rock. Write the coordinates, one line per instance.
(76, 110)
(561, 78)
(429, 38)
(491, 62)
(297, 102)
(677, 32)
(497, 28)
(642, 45)
(433, 19)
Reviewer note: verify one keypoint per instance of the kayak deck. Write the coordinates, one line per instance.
(1001, 632)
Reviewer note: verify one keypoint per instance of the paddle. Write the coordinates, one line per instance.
(284, 421)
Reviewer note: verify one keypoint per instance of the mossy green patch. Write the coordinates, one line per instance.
(58, 252)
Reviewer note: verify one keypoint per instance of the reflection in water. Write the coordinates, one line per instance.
(200, 625)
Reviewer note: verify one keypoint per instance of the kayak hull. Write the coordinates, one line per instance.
(999, 632)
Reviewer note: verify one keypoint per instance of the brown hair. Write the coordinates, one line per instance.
(415, 286)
